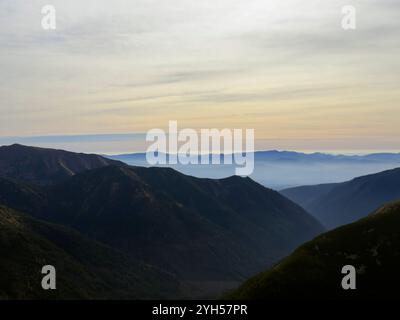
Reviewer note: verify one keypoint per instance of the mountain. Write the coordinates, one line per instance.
(206, 231)
(342, 203)
(211, 234)
(85, 268)
(284, 169)
(45, 166)
(313, 271)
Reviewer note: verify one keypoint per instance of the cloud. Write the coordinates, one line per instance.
(133, 64)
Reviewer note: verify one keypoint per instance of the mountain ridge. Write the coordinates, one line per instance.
(46, 166)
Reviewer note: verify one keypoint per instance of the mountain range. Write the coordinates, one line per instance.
(115, 231)
(206, 235)
(285, 169)
(291, 156)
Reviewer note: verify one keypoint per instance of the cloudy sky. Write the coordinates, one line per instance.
(283, 67)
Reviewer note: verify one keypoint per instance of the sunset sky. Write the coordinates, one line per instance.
(283, 67)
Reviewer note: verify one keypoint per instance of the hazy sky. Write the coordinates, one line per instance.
(283, 67)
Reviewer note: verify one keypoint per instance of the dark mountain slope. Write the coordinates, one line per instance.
(45, 166)
(313, 271)
(203, 230)
(23, 197)
(85, 269)
(349, 201)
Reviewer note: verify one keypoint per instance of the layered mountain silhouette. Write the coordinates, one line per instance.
(85, 269)
(209, 234)
(291, 156)
(313, 271)
(342, 203)
(286, 169)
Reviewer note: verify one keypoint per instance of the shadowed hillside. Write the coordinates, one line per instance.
(85, 269)
(313, 271)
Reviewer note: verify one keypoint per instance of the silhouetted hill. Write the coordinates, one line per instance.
(85, 269)
(45, 166)
(342, 203)
(313, 271)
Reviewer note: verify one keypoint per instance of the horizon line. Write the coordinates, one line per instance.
(347, 153)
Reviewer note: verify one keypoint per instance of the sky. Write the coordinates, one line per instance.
(286, 68)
